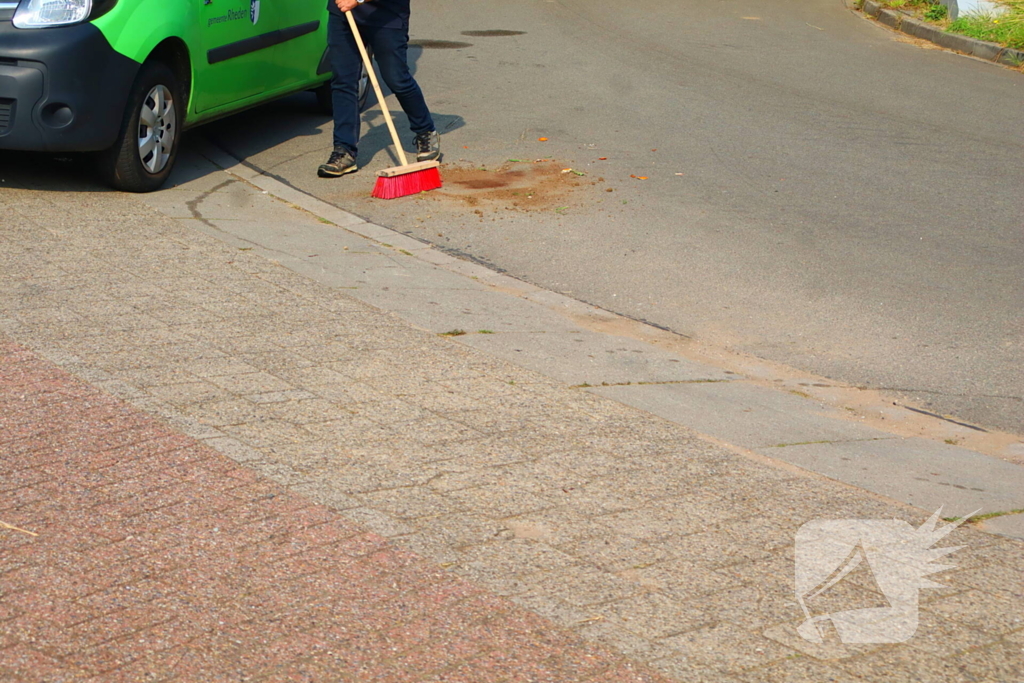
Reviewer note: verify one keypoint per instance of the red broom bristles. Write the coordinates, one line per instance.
(407, 184)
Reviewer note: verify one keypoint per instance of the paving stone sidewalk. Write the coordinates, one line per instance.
(129, 552)
(625, 528)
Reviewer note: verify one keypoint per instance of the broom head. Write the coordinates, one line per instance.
(402, 181)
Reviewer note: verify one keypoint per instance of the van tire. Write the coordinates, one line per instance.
(130, 165)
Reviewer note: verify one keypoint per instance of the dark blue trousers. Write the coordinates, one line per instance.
(390, 47)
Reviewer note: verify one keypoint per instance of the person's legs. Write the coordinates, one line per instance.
(346, 64)
(390, 49)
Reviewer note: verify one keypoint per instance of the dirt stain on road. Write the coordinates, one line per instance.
(514, 186)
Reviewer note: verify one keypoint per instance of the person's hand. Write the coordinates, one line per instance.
(346, 5)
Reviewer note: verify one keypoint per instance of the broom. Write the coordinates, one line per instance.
(407, 179)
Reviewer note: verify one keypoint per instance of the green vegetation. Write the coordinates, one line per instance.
(974, 519)
(1006, 29)
(936, 13)
(906, 4)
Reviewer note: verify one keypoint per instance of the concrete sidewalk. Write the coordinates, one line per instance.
(624, 527)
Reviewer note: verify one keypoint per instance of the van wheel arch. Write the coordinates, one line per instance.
(174, 53)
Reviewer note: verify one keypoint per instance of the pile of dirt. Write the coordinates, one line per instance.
(514, 186)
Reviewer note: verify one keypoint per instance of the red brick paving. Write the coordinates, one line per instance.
(159, 559)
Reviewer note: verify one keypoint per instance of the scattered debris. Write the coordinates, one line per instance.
(5, 525)
(542, 139)
(599, 617)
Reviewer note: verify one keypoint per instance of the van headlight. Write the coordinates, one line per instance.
(46, 13)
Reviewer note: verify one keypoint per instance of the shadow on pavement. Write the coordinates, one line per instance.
(48, 172)
(244, 135)
(55, 172)
(248, 134)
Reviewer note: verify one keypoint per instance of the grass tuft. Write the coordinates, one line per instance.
(936, 13)
(981, 518)
(1006, 29)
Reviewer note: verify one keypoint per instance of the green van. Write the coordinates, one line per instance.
(124, 78)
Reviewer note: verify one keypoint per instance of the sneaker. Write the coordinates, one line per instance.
(340, 163)
(428, 146)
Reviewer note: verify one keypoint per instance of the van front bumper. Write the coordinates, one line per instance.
(61, 89)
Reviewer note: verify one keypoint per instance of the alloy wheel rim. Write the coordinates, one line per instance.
(157, 129)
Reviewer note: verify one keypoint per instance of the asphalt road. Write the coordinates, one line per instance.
(850, 203)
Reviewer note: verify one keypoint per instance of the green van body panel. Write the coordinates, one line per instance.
(135, 28)
(66, 88)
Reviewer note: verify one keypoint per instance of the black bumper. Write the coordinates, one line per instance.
(61, 89)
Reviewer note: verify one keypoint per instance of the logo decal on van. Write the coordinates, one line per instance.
(254, 11)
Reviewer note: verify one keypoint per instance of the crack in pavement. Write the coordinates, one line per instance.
(193, 204)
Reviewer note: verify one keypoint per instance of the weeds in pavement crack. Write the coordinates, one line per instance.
(974, 519)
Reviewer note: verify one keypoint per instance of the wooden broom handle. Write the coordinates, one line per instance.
(376, 88)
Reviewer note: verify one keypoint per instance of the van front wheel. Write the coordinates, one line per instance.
(147, 145)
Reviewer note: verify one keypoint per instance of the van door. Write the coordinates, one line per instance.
(303, 44)
(237, 41)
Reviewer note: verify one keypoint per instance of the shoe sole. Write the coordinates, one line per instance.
(324, 173)
(431, 158)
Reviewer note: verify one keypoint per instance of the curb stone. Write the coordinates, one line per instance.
(904, 23)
